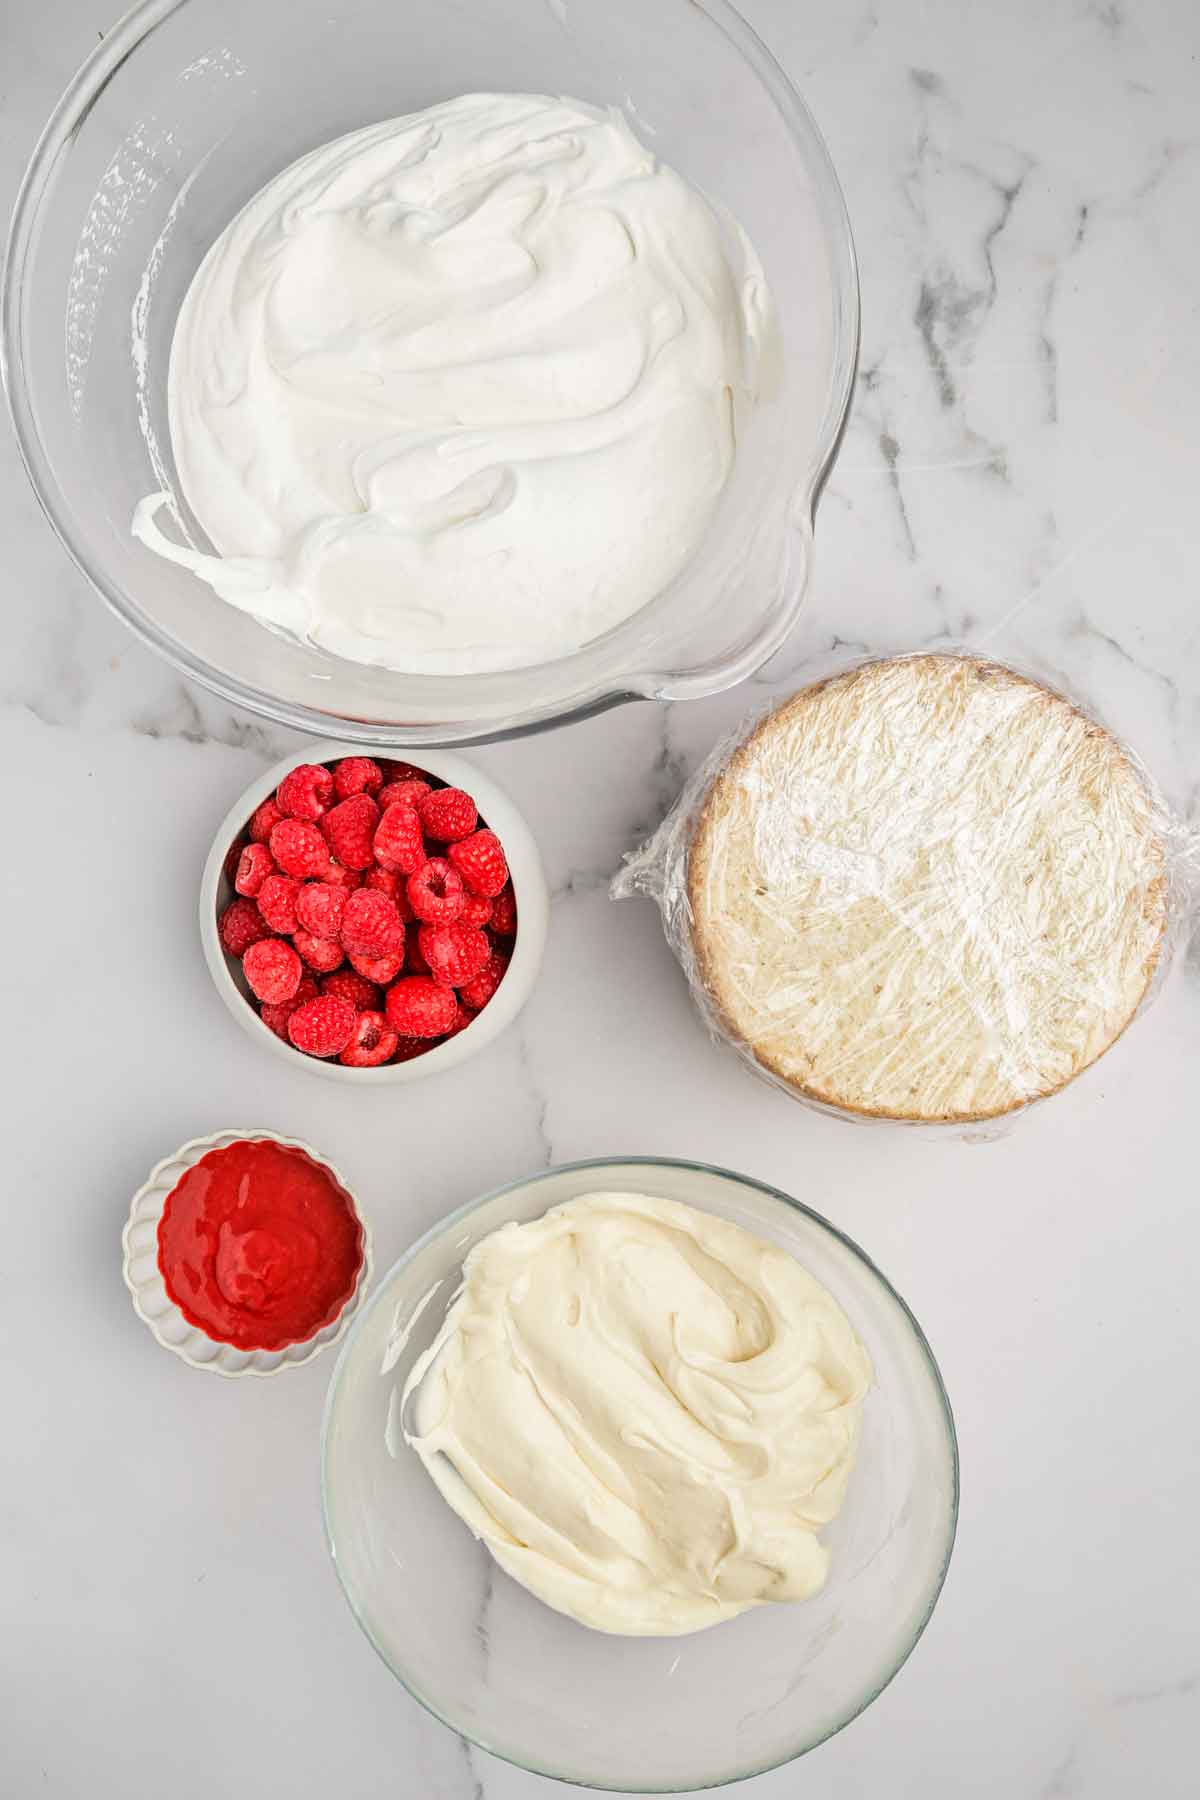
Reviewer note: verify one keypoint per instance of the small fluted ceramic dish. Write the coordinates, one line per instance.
(188, 107)
(529, 889)
(155, 1307)
(637, 1715)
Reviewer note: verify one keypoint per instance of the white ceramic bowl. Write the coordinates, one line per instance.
(154, 1305)
(529, 886)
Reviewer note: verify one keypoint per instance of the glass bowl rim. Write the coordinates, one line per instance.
(598, 1163)
(73, 106)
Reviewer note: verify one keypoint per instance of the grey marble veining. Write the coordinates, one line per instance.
(1020, 473)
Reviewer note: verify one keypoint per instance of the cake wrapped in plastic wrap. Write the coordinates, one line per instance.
(928, 889)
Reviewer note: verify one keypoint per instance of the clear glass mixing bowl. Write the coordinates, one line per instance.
(182, 114)
(662, 1715)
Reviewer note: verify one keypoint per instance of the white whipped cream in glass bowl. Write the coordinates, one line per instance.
(645, 1712)
(459, 391)
(645, 1412)
(190, 108)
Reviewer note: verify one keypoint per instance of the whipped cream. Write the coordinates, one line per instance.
(643, 1411)
(458, 392)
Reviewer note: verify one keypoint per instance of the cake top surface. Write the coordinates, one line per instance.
(927, 888)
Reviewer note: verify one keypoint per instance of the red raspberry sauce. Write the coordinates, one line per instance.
(259, 1246)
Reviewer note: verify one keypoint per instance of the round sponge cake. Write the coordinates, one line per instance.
(927, 889)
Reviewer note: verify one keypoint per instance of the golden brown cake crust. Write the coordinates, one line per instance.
(927, 889)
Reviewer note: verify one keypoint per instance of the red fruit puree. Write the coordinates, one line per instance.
(259, 1246)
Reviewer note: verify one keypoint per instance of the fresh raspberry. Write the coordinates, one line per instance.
(435, 892)
(305, 793)
(277, 903)
(347, 879)
(233, 857)
(240, 925)
(299, 849)
(402, 793)
(275, 1018)
(401, 771)
(264, 821)
(480, 861)
(273, 970)
(455, 953)
(254, 865)
(386, 881)
(322, 1027)
(350, 831)
(409, 1047)
(347, 984)
(377, 969)
(319, 908)
(374, 1042)
(371, 926)
(320, 953)
(357, 775)
(448, 815)
(477, 993)
(475, 910)
(414, 962)
(420, 1007)
(504, 912)
(462, 1020)
(399, 843)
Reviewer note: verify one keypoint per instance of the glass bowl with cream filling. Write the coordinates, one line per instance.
(769, 1451)
(583, 471)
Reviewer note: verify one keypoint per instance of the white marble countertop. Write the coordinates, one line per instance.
(1022, 471)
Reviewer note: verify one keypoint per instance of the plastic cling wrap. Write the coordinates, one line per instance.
(928, 889)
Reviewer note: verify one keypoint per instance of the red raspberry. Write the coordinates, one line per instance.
(322, 1027)
(455, 953)
(265, 820)
(233, 857)
(477, 993)
(386, 881)
(421, 1008)
(448, 815)
(240, 925)
(463, 1019)
(254, 865)
(273, 970)
(399, 843)
(378, 969)
(299, 849)
(374, 1042)
(435, 892)
(357, 775)
(371, 926)
(414, 962)
(320, 953)
(350, 831)
(347, 879)
(480, 862)
(401, 771)
(319, 908)
(504, 912)
(347, 984)
(275, 1018)
(476, 910)
(408, 1047)
(305, 793)
(402, 793)
(277, 903)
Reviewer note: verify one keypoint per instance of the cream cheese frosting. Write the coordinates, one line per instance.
(459, 391)
(646, 1413)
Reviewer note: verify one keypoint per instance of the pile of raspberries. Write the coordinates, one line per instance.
(374, 915)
